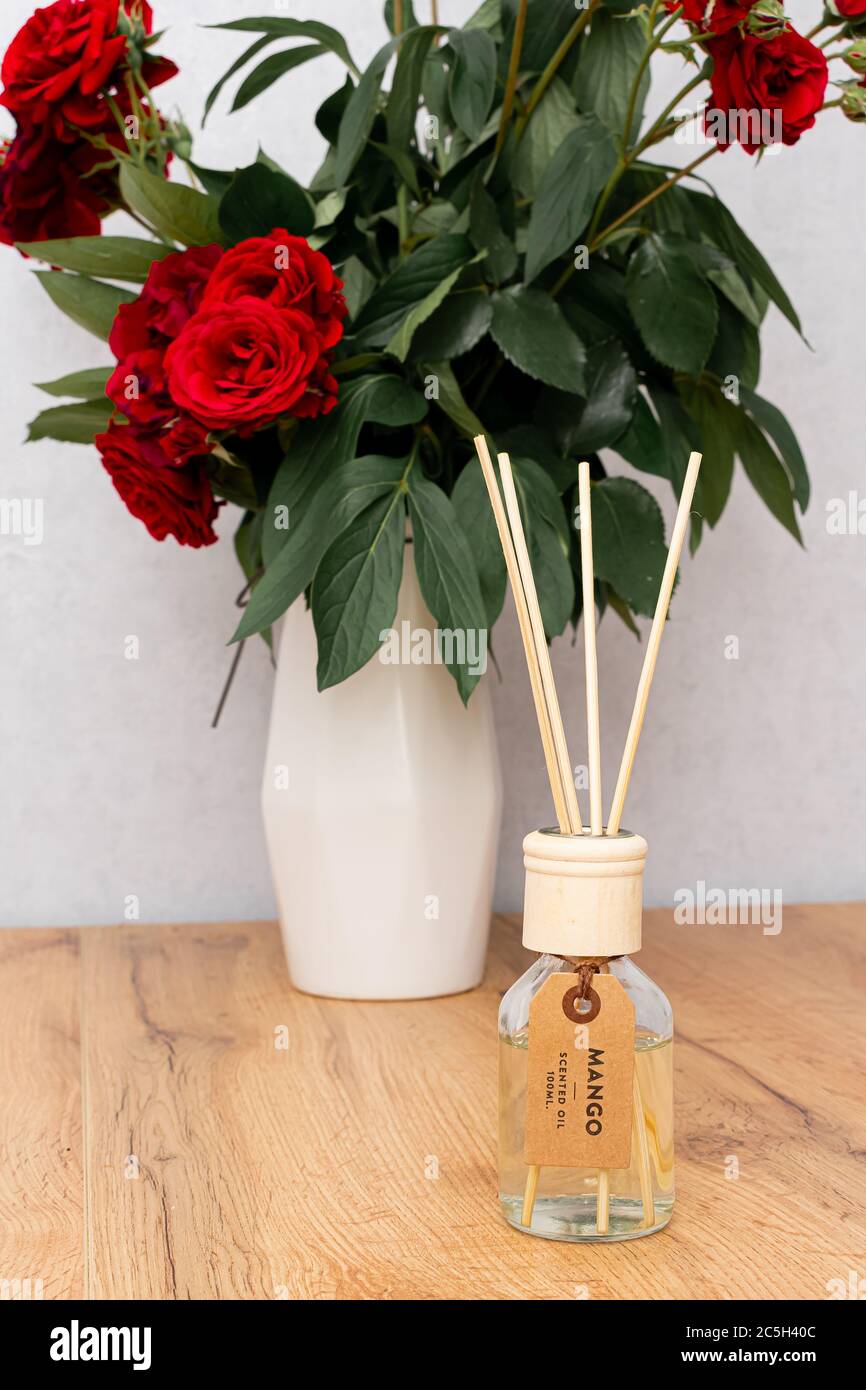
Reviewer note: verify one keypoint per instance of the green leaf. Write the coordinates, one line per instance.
(671, 303)
(718, 420)
(355, 589)
(472, 504)
(402, 109)
(232, 479)
(547, 23)
(236, 66)
(455, 328)
(721, 272)
(319, 505)
(358, 285)
(73, 424)
(567, 193)
(532, 332)
(473, 79)
(89, 303)
(549, 542)
(248, 542)
(611, 386)
(553, 119)
(214, 181)
(486, 232)
(175, 211)
(401, 342)
(410, 20)
(766, 474)
(410, 284)
(328, 209)
(681, 437)
(84, 385)
(737, 349)
(450, 400)
(609, 60)
(773, 423)
(628, 541)
(722, 228)
(487, 16)
(259, 199)
(294, 29)
(114, 257)
(533, 442)
(320, 446)
(403, 163)
(643, 444)
(446, 574)
(360, 114)
(273, 68)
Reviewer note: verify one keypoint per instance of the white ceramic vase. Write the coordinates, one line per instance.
(382, 804)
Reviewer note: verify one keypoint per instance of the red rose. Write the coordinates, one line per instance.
(713, 16)
(173, 443)
(59, 64)
(170, 296)
(242, 365)
(850, 9)
(139, 388)
(288, 273)
(45, 192)
(170, 501)
(784, 77)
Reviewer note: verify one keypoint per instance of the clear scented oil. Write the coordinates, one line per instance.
(586, 1145)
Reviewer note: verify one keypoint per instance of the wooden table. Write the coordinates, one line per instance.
(160, 1141)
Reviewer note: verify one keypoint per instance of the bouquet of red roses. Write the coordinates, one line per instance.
(488, 246)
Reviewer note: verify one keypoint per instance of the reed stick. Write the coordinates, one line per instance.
(525, 625)
(529, 1192)
(593, 730)
(547, 709)
(643, 1159)
(655, 637)
(602, 1203)
(560, 747)
(593, 721)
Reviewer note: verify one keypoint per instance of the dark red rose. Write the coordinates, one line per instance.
(850, 9)
(171, 501)
(243, 365)
(784, 77)
(288, 273)
(59, 64)
(139, 388)
(173, 443)
(713, 16)
(46, 190)
(184, 439)
(170, 296)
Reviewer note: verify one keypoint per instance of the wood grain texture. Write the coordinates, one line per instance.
(358, 1162)
(41, 1185)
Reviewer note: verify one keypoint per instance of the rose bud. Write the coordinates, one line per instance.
(766, 19)
(854, 102)
(855, 56)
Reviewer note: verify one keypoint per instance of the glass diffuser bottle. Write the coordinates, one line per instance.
(585, 1076)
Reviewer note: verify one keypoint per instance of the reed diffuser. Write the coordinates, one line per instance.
(586, 1148)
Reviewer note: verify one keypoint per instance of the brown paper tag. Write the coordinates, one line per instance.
(581, 1069)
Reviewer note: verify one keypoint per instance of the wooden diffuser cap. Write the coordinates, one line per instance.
(584, 893)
